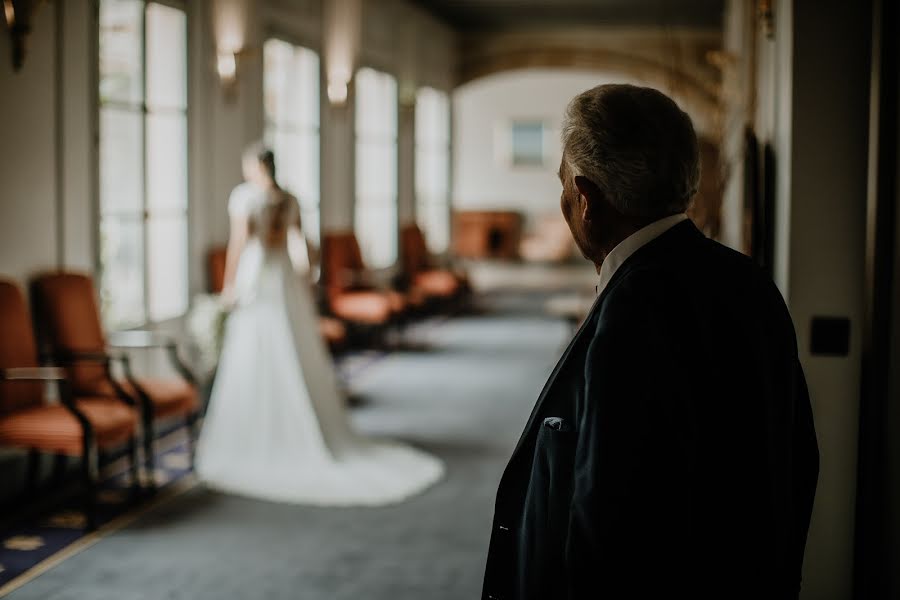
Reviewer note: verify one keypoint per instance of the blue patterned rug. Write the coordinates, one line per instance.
(30, 547)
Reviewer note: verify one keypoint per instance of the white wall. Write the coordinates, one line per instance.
(482, 111)
(820, 143)
(28, 200)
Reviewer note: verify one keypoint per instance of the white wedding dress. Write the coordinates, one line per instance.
(276, 427)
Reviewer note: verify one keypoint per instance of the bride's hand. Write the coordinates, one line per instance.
(228, 298)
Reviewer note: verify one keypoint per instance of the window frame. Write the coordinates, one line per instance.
(141, 108)
(431, 148)
(381, 69)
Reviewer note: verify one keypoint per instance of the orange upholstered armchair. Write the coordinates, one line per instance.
(83, 428)
(435, 283)
(332, 330)
(349, 294)
(67, 309)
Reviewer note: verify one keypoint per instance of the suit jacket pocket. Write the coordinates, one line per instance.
(546, 513)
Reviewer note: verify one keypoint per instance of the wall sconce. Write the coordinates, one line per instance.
(338, 86)
(338, 92)
(18, 15)
(228, 67)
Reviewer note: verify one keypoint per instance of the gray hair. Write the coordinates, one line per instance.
(636, 145)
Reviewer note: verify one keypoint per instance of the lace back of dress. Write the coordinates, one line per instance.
(272, 219)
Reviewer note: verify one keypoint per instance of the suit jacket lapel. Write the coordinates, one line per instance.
(658, 244)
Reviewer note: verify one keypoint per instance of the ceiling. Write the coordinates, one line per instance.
(505, 15)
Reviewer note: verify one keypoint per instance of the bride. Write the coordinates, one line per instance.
(276, 427)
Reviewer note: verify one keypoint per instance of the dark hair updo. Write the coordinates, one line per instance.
(260, 152)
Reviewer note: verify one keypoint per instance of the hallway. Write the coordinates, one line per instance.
(481, 375)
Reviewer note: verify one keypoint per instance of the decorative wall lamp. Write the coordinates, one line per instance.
(19, 15)
(338, 88)
(228, 68)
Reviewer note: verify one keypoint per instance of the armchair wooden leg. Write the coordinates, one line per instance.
(135, 468)
(89, 479)
(149, 458)
(192, 434)
(32, 469)
(60, 462)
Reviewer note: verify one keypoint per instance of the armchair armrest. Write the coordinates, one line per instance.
(137, 339)
(146, 340)
(33, 374)
(56, 374)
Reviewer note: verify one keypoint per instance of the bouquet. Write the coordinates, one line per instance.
(206, 327)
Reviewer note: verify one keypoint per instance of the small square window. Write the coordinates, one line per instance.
(527, 143)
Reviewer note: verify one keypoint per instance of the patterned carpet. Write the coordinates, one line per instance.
(464, 396)
(28, 545)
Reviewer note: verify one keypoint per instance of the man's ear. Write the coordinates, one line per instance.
(590, 193)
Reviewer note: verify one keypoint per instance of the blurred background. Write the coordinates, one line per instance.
(423, 135)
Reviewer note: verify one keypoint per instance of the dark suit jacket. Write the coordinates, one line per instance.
(672, 452)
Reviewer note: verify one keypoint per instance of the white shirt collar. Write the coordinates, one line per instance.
(632, 244)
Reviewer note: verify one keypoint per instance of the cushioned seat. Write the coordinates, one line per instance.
(348, 295)
(72, 427)
(69, 311)
(170, 396)
(441, 284)
(334, 332)
(369, 307)
(431, 282)
(54, 428)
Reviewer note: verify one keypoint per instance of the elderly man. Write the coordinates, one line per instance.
(672, 452)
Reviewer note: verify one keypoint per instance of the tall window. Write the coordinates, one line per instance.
(375, 216)
(143, 162)
(291, 95)
(433, 167)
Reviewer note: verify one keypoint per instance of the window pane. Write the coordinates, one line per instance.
(434, 219)
(527, 143)
(432, 117)
(121, 77)
(376, 166)
(122, 280)
(166, 162)
(376, 104)
(166, 57)
(432, 172)
(304, 89)
(376, 229)
(121, 162)
(276, 71)
(433, 167)
(376, 170)
(167, 276)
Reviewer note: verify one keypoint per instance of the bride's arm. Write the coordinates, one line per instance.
(237, 239)
(297, 249)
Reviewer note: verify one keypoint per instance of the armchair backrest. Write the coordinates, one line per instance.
(340, 253)
(413, 251)
(215, 264)
(66, 305)
(17, 349)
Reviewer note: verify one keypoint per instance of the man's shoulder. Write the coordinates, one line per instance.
(664, 283)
